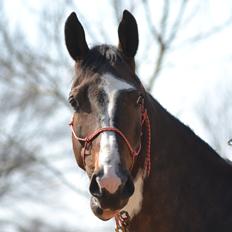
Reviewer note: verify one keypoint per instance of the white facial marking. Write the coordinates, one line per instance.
(134, 204)
(108, 154)
(112, 86)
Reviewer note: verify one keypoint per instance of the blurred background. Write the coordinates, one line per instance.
(184, 59)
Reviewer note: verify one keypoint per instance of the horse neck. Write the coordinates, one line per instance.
(182, 168)
(177, 147)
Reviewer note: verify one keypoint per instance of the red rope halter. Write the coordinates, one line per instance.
(134, 152)
(122, 218)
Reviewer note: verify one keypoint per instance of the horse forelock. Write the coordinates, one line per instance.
(103, 59)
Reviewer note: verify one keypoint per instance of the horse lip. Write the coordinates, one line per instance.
(103, 214)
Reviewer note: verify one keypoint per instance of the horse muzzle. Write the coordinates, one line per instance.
(106, 204)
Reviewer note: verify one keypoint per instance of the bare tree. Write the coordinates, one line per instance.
(32, 94)
(35, 78)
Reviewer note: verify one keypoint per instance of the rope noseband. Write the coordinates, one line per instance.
(89, 139)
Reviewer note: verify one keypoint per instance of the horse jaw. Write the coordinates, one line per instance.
(134, 204)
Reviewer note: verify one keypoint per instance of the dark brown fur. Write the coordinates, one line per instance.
(189, 188)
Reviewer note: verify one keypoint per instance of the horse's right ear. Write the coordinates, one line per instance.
(75, 38)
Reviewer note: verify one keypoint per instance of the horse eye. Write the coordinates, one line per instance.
(74, 103)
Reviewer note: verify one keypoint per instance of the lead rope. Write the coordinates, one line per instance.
(122, 219)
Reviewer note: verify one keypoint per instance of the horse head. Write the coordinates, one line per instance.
(108, 102)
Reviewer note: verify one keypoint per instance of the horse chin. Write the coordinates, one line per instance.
(103, 214)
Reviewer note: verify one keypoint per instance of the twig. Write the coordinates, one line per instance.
(176, 25)
(202, 36)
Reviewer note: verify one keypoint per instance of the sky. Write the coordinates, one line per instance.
(196, 75)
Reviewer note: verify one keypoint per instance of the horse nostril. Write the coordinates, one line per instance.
(128, 188)
(94, 187)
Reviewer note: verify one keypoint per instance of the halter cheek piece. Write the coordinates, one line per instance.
(87, 141)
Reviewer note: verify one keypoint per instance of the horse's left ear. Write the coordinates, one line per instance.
(128, 35)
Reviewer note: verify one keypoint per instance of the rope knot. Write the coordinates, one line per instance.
(122, 221)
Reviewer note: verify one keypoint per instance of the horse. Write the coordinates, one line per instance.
(147, 169)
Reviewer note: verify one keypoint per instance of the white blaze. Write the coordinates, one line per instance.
(108, 154)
